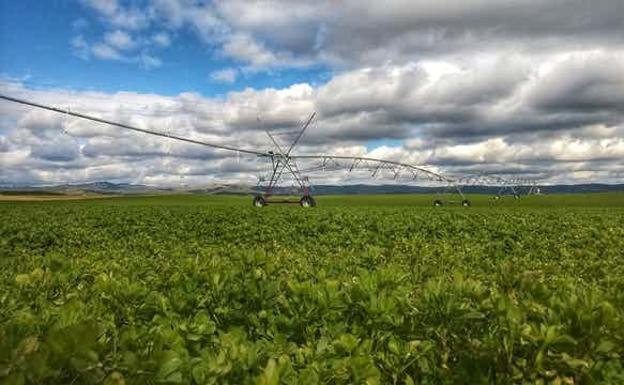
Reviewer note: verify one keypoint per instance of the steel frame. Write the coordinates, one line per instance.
(376, 167)
(512, 185)
(282, 161)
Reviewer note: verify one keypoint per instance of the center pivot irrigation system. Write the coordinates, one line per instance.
(285, 165)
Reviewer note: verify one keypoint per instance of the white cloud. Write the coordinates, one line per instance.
(149, 62)
(356, 33)
(364, 33)
(127, 34)
(133, 19)
(244, 47)
(120, 16)
(161, 39)
(105, 7)
(226, 75)
(106, 52)
(115, 48)
(120, 40)
(80, 47)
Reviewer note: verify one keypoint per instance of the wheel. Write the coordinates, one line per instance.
(497, 197)
(437, 203)
(307, 201)
(259, 201)
(466, 203)
(516, 196)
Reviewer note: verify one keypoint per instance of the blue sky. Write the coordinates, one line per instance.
(36, 47)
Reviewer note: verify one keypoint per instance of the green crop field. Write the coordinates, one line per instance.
(360, 290)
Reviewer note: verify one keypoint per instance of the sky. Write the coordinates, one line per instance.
(516, 88)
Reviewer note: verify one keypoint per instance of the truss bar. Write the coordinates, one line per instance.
(376, 171)
(305, 126)
(279, 148)
(274, 179)
(284, 133)
(354, 164)
(369, 161)
(294, 172)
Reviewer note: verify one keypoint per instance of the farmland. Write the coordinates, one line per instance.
(360, 290)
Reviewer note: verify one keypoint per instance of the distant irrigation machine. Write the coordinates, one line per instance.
(285, 167)
(514, 187)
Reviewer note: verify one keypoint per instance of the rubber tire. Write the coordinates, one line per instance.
(437, 203)
(307, 202)
(516, 196)
(259, 201)
(465, 203)
(313, 201)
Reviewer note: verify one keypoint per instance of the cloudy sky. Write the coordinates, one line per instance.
(531, 88)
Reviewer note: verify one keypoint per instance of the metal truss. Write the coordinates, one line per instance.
(283, 163)
(285, 166)
(512, 186)
(375, 166)
(525, 186)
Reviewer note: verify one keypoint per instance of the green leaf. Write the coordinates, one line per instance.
(574, 363)
(22, 279)
(393, 346)
(115, 378)
(169, 371)
(605, 346)
(270, 374)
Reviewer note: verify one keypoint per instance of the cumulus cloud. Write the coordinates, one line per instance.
(125, 35)
(582, 83)
(226, 75)
(161, 39)
(80, 48)
(120, 40)
(244, 47)
(148, 61)
(354, 33)
(117, 15)
(372, 33)
(105, 51)
(105, 7)
(116, 46)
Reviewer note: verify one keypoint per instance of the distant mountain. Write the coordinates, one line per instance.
(109, 188)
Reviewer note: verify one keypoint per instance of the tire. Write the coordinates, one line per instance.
(465, 203)
(437, 203)
(259, 201)
(307, 202)
(516, 196)
(313, 201)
